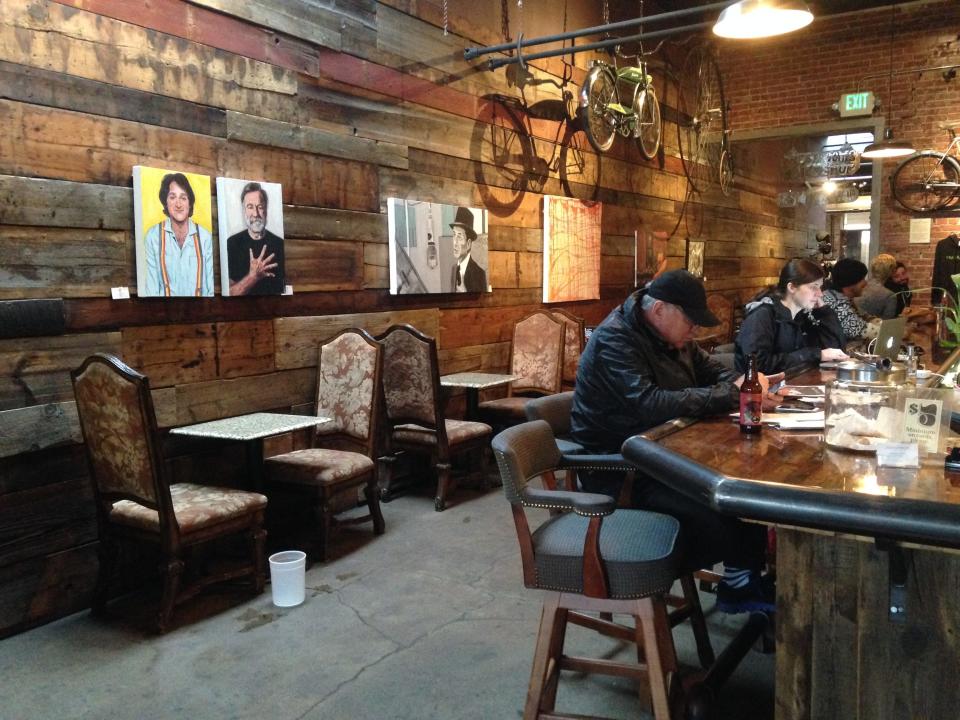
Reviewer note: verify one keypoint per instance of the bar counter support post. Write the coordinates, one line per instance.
(897, 570)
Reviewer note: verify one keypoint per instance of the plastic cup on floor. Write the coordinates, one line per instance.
(288, 577)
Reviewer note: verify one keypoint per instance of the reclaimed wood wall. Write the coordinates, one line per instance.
(344, 102)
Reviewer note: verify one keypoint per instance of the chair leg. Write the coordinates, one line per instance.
(544, 662)
(258, 537)
(653, 628)
(108, 553)
(697, 622)
(373, 503)
(385, 477)
(443, 485)
(485, 483)
(558, 635)
(171, 584)
(324, 522)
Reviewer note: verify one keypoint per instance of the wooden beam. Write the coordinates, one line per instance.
(262, 131)
(60, 203)
(31, 318)
(37, 427)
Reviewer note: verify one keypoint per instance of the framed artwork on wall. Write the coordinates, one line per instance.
(172, 233)
(571, 249)
(250, 219)
(651, 255)
(436, 248)
(695, 250)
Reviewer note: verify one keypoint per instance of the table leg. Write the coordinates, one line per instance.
(254, 450)
(473, 404)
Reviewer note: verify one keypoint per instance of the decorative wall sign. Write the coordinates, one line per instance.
(571, 249)
(172, 226)
(695, 253)
(436, 248)
(250, 216)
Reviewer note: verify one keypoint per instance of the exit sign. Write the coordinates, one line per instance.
(856, 104)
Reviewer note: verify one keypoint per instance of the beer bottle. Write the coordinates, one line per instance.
(751, 399)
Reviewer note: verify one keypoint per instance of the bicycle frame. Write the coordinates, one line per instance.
(606, 113)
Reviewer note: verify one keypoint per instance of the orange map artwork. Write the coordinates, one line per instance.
(571, 249)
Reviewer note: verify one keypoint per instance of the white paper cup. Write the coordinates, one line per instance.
(288, 577)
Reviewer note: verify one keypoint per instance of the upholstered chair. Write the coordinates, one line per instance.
(415, 416)
(536, 356)
(136, 499)
(343, 456)
(573, 344)
(593, 558)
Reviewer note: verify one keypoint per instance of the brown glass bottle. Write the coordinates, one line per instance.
(751, 399)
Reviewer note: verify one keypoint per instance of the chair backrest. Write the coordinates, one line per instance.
(536, 353)
(573, 342)
(411, 378)
(722, 307)
(349, 370)
(524, 452)
(120, 431)
(554, 409)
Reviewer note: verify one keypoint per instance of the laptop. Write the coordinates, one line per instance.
(889, 337)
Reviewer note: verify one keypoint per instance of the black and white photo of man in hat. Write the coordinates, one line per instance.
(466, 275)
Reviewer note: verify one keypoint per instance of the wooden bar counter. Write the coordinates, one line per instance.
(868, 564)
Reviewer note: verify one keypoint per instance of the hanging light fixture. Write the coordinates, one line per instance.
(748, 19)
(888, 147)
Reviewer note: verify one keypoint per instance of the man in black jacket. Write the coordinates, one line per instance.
(641, 368)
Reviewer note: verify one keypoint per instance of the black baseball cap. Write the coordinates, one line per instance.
(680, 288)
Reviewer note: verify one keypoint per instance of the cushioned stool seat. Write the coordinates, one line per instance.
(639, 551)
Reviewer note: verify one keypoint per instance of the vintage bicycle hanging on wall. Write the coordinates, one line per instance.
(929, 181)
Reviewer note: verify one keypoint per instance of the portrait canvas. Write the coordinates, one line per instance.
(173, 233)
(651, 255)
(695, 251)
(436, 248)
(571, 249)
(250, 220)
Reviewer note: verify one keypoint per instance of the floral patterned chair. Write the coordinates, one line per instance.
(344, 452)
(536, 355)
(573, 343)
(135, 498)
(415, 418)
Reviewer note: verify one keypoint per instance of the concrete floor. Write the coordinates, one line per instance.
(430, 620)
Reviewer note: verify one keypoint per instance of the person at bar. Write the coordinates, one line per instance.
(640, 369)
(788, 325)
(899, 284)
(848, 277)
(877, 300)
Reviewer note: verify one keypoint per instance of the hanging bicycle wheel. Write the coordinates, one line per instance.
(702, 121)
(503, 154)
(648, 130)
(726, 171)
(926, 182)
(596, 94)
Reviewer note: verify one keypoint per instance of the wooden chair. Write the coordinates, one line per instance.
(592, 558)
(573, 344)
(711, 337)
(135, 498)
(343, 457)
(536, 355)
(415, 418)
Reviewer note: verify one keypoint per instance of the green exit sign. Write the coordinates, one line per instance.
(856, 104)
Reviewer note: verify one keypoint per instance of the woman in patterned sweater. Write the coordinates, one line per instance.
(847, 280)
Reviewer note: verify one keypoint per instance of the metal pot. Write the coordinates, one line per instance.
(879, 371)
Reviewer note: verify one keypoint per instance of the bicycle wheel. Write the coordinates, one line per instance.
(726, 172)
(596, 94)
(503, 153)
(648, 129)
(926, 182)
(702, 122)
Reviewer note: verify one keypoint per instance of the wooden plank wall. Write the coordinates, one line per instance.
(345, 104)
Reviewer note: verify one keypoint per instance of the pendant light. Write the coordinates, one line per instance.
(888, 147)
(748, 19)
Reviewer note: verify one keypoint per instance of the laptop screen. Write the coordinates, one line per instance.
(889, 337)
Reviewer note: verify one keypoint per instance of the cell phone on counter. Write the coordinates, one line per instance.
(794, 405)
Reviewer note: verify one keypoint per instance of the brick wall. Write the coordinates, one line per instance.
(794, 80)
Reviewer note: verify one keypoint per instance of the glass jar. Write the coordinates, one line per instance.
(858, 416)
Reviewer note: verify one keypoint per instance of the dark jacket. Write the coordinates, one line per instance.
(474, 279)
(946, 263)
(629, 381)
(782, 342)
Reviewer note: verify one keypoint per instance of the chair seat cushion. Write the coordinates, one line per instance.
(569, 447)
(509, 408)
(639, 550)
(458, 431)
(317, 466)
(195, 507)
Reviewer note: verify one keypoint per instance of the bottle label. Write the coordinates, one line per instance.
(751, 409)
